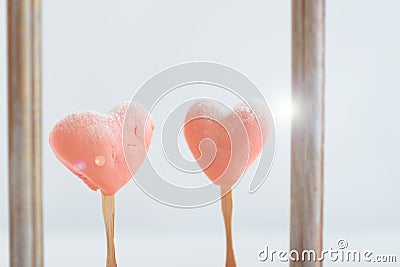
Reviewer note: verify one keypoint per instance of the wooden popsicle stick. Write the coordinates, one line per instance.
(108, 204)
(227, 207)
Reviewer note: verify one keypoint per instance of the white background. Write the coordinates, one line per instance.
(97, 53)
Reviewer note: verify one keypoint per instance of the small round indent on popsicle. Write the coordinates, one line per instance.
(80, 165)
(99, 160)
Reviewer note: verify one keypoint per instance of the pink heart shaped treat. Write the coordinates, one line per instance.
(90, 145)
(225, 143)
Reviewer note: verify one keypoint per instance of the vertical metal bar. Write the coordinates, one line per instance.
(24, 119)
(307, 141)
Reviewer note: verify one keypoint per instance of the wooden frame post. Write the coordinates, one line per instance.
(307, 141)
(24, 131)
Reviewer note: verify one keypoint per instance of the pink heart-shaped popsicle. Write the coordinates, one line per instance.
(225, 143)
(90, 145)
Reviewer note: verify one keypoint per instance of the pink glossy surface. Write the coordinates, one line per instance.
(90, 145)
(226, 143)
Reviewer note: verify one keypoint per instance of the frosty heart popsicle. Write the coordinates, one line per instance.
(91, 146)
(225, 144)
(238, 138)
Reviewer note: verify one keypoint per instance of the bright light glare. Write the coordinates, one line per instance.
(286, 110)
